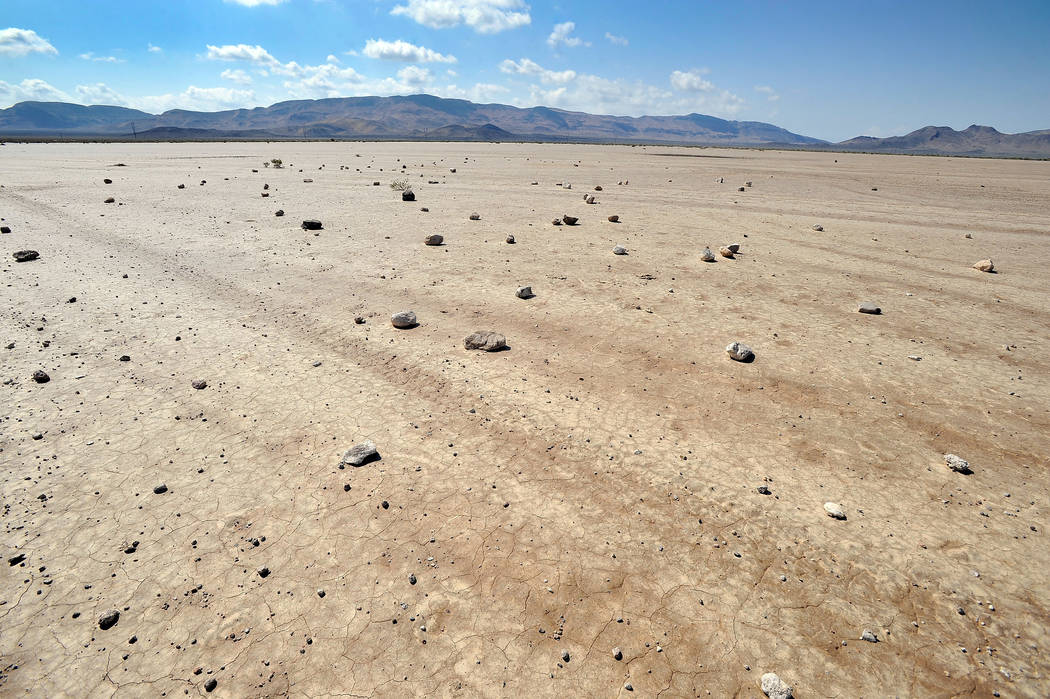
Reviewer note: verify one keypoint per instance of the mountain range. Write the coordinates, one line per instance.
(425, 117)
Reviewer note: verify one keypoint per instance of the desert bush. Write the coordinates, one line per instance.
(399, 185)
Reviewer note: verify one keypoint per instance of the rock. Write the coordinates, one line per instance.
(452, 170)
(404, 319)
(181, 186)
(307, 180)
(740, 352)
(434, 239)
(210, 685)
(486, 340)
(26, 255)
(266, 187)
(160, 489)
(707, 255)
(870, 308)
(834, 510)
(725, 252)
(748, 183)
(424, 209)
(556, 222)
(107, 181)
(775, 688)
(376, 183)
(199, 384)
(360, 320)
(125, 358)
(869, 636)
(570, 220)
(984, 266)
(617, 653)
(263, 572)
(279, 212)
(41, 376)
(108, 620)
(16, 559)
(475, 216)
(614, 219)
(311, 225)
(109, 200)
(619, 250)
(412, 579)
(5, 229)
(957, 464)
(565, 656)
(597, 188)
(408, 195)
(740, 189)
(510, 239)
(817, 227)
(763, 490)
(524, 292)
(590, 199)
(359, 454)
(734, 248)
(265, 194)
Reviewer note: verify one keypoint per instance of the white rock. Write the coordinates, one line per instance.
(358, 454)
(984, 266)
(707, 255)
(775, 688)
(740, 352)
(835, 510)
(957, 464)
(619, 250)
(524, 292)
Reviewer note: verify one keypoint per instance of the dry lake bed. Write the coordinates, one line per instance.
(609, 506)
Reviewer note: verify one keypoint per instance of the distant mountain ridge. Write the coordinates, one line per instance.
(412, 116)
(943, 140)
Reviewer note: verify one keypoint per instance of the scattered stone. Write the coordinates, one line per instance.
(307, 180)
(5, 229)
(968, 236)
(629, 687)
(107, 181)
(125, 358)
(614, 219)
(452, 170)
(15, 560)
(817, 227)
(434, 239)
(108, 620)
(408, 195)
(263, 572)
(510, 239)
(475, 216)
(775, 688)
(311, 225)
(556, 222)
(870, 308)
(597, 188)
(915, 357)
(321, 593)
(109, 200)
(26, 255)
(957, 464)
(485, 340)
(740, 189)
(524, 292)
(724, 251)
(160, 489)
(834, 510)
(565, 656)
(617, 653)
(404, 319)
(360, 320)
(265, 194)
(210, 685)
(619, 250)
(763, 490)
(40, 376)
(359, 454)
(424, 209)
(590, 199)
(412, 579)
(984, 266)
(869, 636)
(182, 186)
(279, 212)
(199, 384)
(740, 352)
(376, 183)
(570, 220)
(707, 255)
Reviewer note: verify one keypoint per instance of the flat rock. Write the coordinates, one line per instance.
(775, 688)
(707, 255)
(524, 292)
(570, 220)
(614, 219)
(279, 212)
(311, 224)
(199, 384)
(734, 248)
(510, 239)
(359, 454)
(869, 636)
(433, 239)
(870, 308)
(109, 620)
(740, 352)
(485, 340)
(26, 255)
(957, 464)
(556, 222)
(984, 266)
(475, 216)
(724, 251)
(817, 227)
(834, 510)
(619, 250)
(404, 319)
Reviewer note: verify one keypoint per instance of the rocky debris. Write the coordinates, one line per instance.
(817, 227)
(434, 239)
(569, 220)
(748, 183)
(915, 357)
(181, 186)
(266, 187)
(740, 189)
(424, 209)
(307, 180)
(199, 384)
(160, 489)
(107, 181)
(619, 250)
(124, 358)
(359, 454)
(556, 222)
(565, 656)
(16, 559)
(26, 255)
(764, 490)
(984, 266)
(109, 200)
(740, 352)
(485, 340)
(597, 188)
(265, 194)
(524, 292)
(360, 320)
(404, 319)
(870, 308)
(263, 572)
(590, 199)
(510, 239)
(614, 219)
(775, 688)
(40, 376)
(321, 593)
(957, 464)
(475, 216)
(211, 684)
(452, 170)
(707, 255)
(724, 251)
(734, 248)
(629, 687)
(279, 212)
(311, 224)
(408, 195)
(617, 653)
(5, 229)
(412, 579)
(869, 636)
(376, 183)
(108, 620)
(834, 510)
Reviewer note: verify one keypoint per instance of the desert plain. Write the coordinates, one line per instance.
(594, 487)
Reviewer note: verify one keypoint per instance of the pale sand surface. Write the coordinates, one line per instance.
(592, 487)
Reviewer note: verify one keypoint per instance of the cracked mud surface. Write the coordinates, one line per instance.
(594, 486)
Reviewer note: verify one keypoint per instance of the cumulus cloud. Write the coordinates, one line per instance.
(99, 93)
(414, 75)
(202, 99)
(89, 56)
(562, 36)
(242, 52)
(155, 49)
(691, 81)
(479, 92)
(483, 16)
(236, 75)
(528, 67)
(404, 51)
(32, 89)
(618, 40)
(769, 92)
(21, 42)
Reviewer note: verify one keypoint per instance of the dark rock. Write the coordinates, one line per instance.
(160, 489)
(311, 225)
(109, 200)
(199, 384)
(570, 220)
(15, 560)
(40, 376)
(408, 195)
(475, 216)
(5, 229)
(108, 620)
(763, 490)
(614, 219)
(107, 181)
(263, 572)
(359, 320)
(433, 239)
(870, 308)
(26, 255)
(412, 579)
(556, 222)
(182, 186)
(510, 239)
(210, 685)
(279, 212)
(125, 358)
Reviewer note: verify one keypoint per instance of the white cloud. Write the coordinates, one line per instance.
(255, 3)
(237, 76)
(200, 99)
(404, 51)
(414, 75)
(480, 92)
(21, 42)
(618, 40)
(242, 52)
(89, 56)
(483, 16)
(327, 80)
(32, 89)
(528, 67)
(562, 36)
(99, 93)
(691, 81)
(769, 92)
(155, 49)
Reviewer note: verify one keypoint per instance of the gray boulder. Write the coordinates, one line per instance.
(486, 340)
(957, 464)
(403, 319)
(870, 308)
(358, 454)
(524, 292)
(776, 688)
(707, 255)
(740, 352)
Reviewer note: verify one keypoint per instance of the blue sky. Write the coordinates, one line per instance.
(827, 69)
